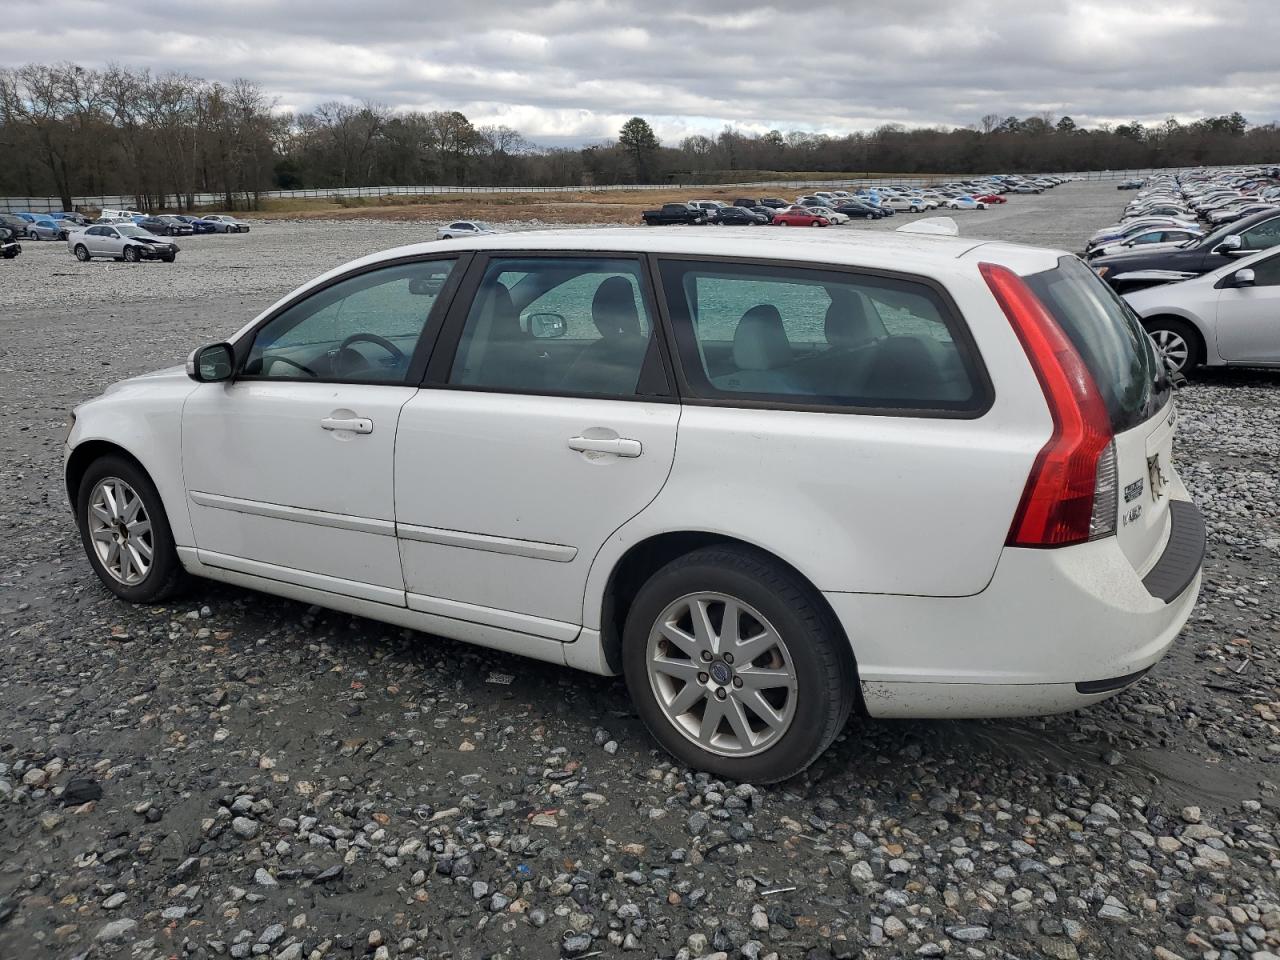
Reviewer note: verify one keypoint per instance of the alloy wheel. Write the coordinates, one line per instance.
(721, 674)
(1173, 349)
(120, 530)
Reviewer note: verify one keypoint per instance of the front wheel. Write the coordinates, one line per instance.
(82, 253)
(125, 532)
(1176, 343)
(736, 666)
(130, 255)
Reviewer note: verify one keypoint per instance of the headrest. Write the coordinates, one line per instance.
(760, 342)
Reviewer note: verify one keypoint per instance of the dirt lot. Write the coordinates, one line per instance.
(235, 775)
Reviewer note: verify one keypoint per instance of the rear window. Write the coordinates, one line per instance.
(1110, 340)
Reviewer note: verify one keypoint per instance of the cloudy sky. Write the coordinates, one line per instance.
(574, 70)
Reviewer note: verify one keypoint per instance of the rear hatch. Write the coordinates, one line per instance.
(1137, 392)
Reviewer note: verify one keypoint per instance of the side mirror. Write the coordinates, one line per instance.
(1242, 278)
(211, 364)
(547, 326)
(1229, 244)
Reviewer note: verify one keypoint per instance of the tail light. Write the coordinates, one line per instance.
(1070, 496)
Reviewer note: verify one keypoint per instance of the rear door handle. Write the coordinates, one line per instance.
(618, 446)
(354, 424)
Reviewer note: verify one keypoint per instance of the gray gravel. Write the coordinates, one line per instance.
(236, 775)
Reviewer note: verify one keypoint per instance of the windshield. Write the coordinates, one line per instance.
(1110, 339)
(130, 231)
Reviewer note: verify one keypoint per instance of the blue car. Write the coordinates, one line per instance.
(198, 224)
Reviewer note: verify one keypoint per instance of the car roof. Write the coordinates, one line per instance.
(882, 250)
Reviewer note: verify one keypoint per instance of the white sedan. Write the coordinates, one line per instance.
(225, 223)
(1226, 317)
(120, 241)
(866, 470)
(463, 228)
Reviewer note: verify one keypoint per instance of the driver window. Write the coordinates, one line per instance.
(1267, 272)
(363, 329)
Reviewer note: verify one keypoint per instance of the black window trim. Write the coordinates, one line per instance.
(963, 338)
(655, 370)
(421, 353)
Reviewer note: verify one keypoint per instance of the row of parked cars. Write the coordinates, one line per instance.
(119, 234)
(1197, 257)
(828, 207)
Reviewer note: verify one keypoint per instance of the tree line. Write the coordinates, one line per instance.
(67, 131)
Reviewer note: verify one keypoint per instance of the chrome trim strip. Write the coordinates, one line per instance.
(278, 511)
(555, 552)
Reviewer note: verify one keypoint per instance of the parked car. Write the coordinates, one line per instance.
(1214, 250)
(990, 198)
(835, 218)
(711, 208)
(166, 225)
(741, 216)
(225, 223)
(859, 209)
(1225, 317)
(46, 228)
(464, 228)
(9, 245)
(674, 213)
(965, 203)
(774, 202)
(197, 224)
(120, 241)
(79, 219)
(567, 492)
(1149, 240)
(1129, 185)
(16, 224)
(1025, 188)
(799, 217)
(112, 214)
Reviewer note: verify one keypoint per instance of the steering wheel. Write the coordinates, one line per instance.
(396, 353)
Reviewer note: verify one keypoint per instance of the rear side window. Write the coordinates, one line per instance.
(786, 336)
(1109, 338)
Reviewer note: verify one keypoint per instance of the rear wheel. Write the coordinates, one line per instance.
(82, 253)
(125, 532)
(736, 666)
(1176, 342)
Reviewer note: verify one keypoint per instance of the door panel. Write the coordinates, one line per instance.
(1249, 317)
(501, 466)
(267, 482)
(537, 445)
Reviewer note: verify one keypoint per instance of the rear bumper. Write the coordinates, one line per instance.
(1053, 631)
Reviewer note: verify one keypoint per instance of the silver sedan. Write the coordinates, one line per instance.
(120, 241)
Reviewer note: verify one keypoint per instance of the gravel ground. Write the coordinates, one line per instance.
(236, 775)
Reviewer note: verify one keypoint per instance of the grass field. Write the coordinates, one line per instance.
(586, 206)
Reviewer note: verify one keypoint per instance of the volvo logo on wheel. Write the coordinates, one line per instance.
(720, 672)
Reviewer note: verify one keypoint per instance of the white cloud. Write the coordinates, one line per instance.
(578, 68)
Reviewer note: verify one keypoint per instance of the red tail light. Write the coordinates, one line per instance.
(1058, 502)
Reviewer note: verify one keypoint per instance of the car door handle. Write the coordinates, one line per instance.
(354, 424)
(618, 446)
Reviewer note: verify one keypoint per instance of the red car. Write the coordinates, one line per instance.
(992, 198)
(799, 217)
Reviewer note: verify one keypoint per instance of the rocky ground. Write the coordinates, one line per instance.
(236, 775)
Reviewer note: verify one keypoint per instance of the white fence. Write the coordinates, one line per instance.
(46, 204)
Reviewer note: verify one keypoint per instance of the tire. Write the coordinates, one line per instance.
(169, 258)
(164, 575)
(82, 253)
(131, 255)
(1177, 343)
(809, 711)
(815, 224)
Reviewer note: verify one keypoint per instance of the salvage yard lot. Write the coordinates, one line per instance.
(277, 780)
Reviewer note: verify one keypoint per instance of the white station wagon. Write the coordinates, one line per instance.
(770, 481)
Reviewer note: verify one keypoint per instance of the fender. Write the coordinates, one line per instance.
(144, 419)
